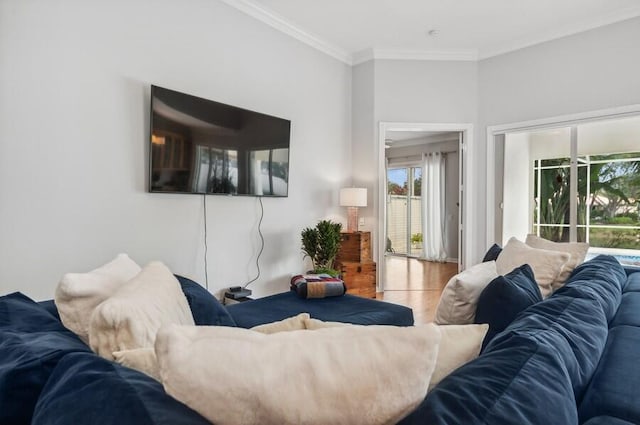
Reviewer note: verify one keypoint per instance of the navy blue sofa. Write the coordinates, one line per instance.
(48, 376)
(570, 359)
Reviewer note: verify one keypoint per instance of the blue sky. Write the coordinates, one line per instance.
(399, 175)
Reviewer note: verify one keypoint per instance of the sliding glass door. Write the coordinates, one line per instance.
(583, 184)
(404, 203)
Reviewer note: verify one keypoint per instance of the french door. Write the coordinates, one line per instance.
(404, 204)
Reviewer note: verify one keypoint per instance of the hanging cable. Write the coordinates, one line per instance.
(206, 267)
(261, 244)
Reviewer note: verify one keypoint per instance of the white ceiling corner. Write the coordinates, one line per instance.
(356, 31)
(282, 24)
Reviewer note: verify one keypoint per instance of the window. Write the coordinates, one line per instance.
(608, 192)
(600, 204)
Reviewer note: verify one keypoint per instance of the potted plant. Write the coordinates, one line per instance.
(416, 240)
(321, 245)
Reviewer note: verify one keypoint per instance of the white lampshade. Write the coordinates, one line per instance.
(353, 197)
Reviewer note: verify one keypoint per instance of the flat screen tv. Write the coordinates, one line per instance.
(201, 146)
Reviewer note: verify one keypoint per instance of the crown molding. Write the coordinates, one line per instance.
(424, 55)
(567, 30)
(281, 24)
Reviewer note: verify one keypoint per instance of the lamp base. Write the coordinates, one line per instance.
(352, 219)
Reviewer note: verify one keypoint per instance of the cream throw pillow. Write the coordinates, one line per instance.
(546, 265)
(340, 375)
(576, 250)
(132, 316)
(141, 359)
(459, 345)
(294, 323)
(457, 305)
(313, 324)
(78, 294)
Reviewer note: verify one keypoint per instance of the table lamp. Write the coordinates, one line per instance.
(352, 198)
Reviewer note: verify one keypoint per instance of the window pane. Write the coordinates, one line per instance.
(614, 200)
(553, 203)
(397, 181)
(397, 228)
(416, 212)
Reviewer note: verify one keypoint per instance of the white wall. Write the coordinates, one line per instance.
(407, 91)
(589, 71)
(74, 78)
(364, 161)
(518, 187)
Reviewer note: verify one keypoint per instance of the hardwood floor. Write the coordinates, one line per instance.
(416, 284)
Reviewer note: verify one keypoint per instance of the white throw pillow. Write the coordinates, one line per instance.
(459, 299)
(340, 375)
(546, 265)
(459, 345)
(78, 294)
(294, 323)
(132, 316)
(577, 251)
(141, 359)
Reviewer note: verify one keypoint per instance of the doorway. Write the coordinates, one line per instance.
(403, 147)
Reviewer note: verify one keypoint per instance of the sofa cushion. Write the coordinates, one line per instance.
(32, 342)
(601, 267)
(338, 375)
(614, 386)
(347, 308)
(205, 308)
(600, 279)
(131, 317)
(576, 250)
(86, 389)
(78, 294)
(546, 264)
(295, 323)
(504, 298)
(629, 311)
(459, 299)
(607, 420)
(493, 253)
(50, 306)
(519, 382)
(459, 345)
(140, 359)
(633, 282)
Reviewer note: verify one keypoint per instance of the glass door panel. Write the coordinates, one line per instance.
(415, 218)
(397, 210)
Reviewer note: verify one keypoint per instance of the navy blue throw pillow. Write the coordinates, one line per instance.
(32, 342)
(493, 253)
(504, 298)
(205, 308)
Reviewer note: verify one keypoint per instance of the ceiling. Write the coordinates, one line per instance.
(358, 30)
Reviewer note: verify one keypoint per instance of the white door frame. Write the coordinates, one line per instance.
(466, 200)
(558, 121)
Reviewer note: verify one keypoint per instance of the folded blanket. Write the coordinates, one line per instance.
(317, 286)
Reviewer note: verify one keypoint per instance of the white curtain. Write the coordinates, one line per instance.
(433, 207)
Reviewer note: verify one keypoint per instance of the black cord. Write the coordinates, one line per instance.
(261, 246)
(206, 267)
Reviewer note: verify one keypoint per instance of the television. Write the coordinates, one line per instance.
(204, 147)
